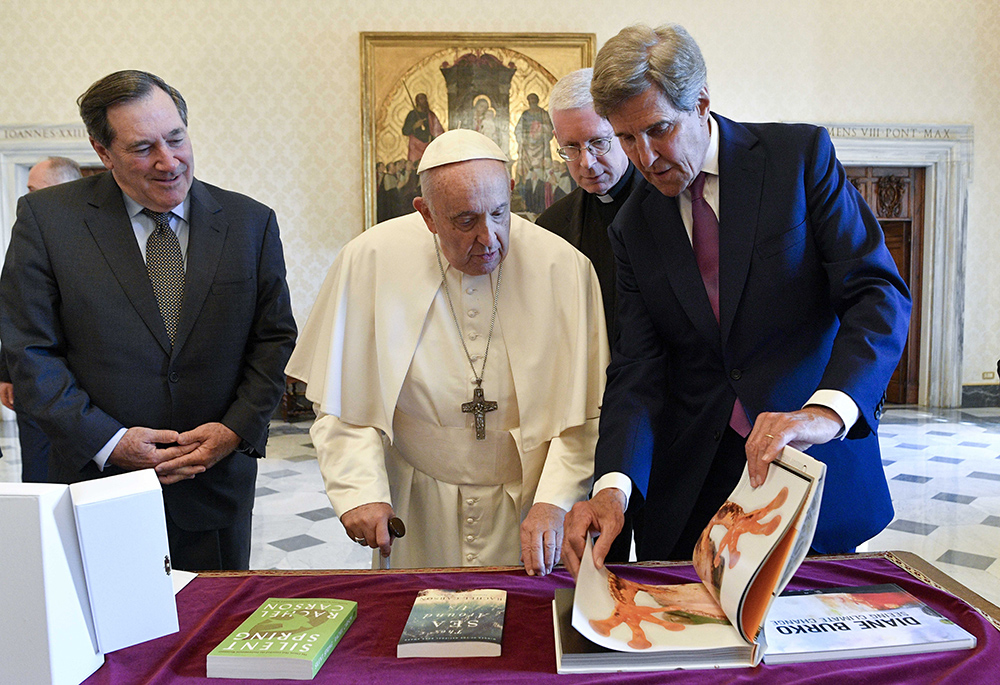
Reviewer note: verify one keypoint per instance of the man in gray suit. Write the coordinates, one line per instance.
(147, 321)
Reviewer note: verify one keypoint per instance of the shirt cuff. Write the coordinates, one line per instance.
(102, 457)
(841, 403)
(615, 480)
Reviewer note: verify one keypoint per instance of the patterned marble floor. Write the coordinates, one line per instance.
(943, 468)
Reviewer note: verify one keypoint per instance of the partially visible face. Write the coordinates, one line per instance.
(578, 127)
(43, 175)
(151, 156)
(468, 206)
(667, 145)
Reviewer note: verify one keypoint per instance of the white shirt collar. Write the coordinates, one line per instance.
(711, 163)
(134, 208)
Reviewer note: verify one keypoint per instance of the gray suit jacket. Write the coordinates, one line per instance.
(90, 354)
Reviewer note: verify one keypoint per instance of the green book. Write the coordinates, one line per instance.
(284, 638)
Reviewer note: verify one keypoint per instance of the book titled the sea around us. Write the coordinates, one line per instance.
(745, 557)
(854, 622)
(454, 623)
(284, 638)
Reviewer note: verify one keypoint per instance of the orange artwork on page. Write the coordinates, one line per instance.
(676, 605)
(738, 522)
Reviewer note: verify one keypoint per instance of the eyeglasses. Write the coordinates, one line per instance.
(597, 147)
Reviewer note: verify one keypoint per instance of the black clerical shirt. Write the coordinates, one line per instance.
(583, 219)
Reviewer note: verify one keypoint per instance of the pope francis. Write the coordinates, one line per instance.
(457, 373)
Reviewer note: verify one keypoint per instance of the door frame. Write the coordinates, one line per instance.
(946, 153)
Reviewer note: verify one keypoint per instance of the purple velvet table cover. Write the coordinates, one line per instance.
(212, 606)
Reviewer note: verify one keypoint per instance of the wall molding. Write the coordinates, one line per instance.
(20, 148)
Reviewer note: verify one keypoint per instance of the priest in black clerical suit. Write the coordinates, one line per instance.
(604, 176)
(583, 218)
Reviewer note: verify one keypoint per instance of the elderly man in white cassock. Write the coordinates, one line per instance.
(456, 359)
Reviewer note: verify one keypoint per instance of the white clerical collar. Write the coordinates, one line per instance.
(616, 190)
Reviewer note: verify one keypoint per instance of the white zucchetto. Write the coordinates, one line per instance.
(459, 145)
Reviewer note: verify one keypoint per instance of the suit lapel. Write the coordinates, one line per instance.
(741, 180)
(109, 224)
(676, 259)
(206, 236)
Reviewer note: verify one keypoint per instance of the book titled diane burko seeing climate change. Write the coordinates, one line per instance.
(284, 638)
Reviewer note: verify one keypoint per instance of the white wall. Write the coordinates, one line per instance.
(273, 89)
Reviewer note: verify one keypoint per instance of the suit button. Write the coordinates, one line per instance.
(174, 377)
(735, 374)
(717, 435)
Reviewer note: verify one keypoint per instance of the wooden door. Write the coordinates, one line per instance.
(896, 195)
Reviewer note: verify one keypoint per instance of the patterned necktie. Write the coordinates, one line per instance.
(705, 241)
(166, 269)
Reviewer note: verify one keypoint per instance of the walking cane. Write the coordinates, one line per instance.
(396, 530)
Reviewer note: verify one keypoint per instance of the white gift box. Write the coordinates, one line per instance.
(126, 559)
(48, 630)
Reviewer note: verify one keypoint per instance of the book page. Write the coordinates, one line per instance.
(806, 522)
(634, 617)
(180, 579)
(743, 535)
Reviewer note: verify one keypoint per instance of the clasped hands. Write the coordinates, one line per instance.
(174, 456)
(541, 533)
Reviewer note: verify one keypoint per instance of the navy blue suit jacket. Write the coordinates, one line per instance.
(809, 298)
(89, 352)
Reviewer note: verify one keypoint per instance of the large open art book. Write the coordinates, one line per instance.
(745, 557)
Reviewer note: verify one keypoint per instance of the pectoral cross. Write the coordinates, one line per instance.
(478, 408)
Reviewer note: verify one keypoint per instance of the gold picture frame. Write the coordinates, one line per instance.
(427, 83)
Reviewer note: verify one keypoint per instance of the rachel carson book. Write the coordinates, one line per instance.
(284, 638)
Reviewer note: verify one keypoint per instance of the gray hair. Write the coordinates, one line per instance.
(572, 91)
(639, 57)
(117, 88)
(64, 168)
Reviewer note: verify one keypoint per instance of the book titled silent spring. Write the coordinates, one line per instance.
(745, 557)
(284, 638)
(460, 623)
(854, 622)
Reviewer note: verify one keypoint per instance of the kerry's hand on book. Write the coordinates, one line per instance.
(772, 431)
(604, 513)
